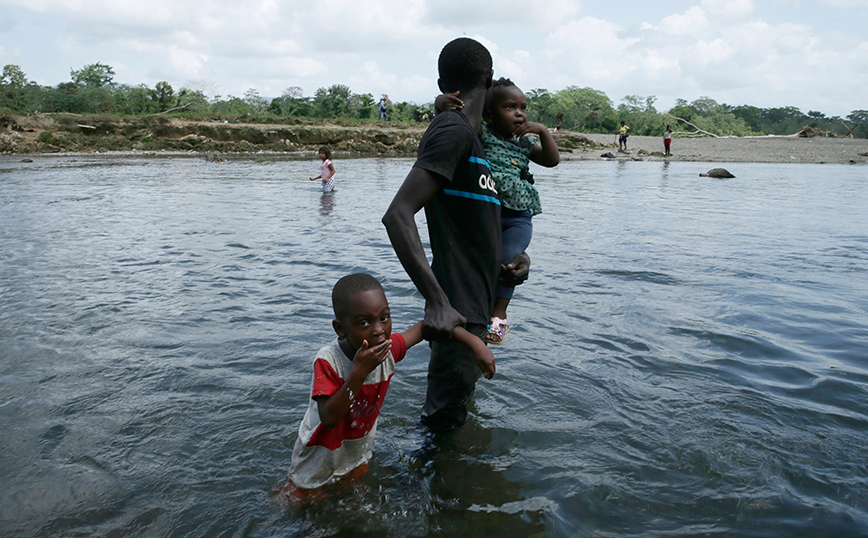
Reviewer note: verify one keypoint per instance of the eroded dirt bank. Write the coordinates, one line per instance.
(66, 133)
(56, 133)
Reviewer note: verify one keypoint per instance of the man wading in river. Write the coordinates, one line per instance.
(452, 181)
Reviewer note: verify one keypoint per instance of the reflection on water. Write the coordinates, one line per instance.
(327, 204)
(687, 358)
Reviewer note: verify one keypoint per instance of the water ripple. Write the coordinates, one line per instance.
(687, 358)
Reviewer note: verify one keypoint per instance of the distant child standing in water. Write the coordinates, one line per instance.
(327, 171)
(508, 152)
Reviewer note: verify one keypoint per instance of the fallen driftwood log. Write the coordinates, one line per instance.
(172, 110)
(849, 129)
(698, 130)
(85, 126)
(809, 132)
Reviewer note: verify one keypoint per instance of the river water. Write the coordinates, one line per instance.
(689, 357)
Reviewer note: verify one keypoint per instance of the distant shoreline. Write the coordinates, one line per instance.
(759, 149)
(44, 135)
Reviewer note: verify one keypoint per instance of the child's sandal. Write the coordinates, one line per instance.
(497, 331)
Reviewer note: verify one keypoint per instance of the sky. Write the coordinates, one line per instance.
(811, 54)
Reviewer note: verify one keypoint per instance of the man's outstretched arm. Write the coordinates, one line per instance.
(419, 187)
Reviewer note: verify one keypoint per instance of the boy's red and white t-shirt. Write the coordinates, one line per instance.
(323, 455)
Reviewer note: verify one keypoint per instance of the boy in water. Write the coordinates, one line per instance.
(350, 379)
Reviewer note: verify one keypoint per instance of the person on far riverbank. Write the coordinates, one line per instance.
(667, 141)
(384, 112)
(623, 133)
(327, 170)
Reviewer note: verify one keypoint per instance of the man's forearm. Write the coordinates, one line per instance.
(408, 246)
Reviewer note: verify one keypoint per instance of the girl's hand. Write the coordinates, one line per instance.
(314, 178)
(367, 359)
(530, 127)
(482, 356)
(448, 101)
(485, 360)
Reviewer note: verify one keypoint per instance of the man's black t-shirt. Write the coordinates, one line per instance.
(463, 217)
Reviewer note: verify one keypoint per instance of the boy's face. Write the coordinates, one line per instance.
(367, 317)
(509, 110)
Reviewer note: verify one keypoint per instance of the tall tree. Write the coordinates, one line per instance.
(163, 94)
(13, 81)
(333, 102)
(13, 76)
(95, 75)
(254, 101)
(292, 103)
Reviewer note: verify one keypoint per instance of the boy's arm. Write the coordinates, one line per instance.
(413, 335)
(481, 354)
(333, 409)
(419, 187)
(546, 152)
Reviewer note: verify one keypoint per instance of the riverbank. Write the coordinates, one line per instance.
(68, 134)
(765, 149)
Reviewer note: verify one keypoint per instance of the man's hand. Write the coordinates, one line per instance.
(516, 272)
(439, 323)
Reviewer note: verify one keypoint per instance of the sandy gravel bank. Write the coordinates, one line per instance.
(748, 149)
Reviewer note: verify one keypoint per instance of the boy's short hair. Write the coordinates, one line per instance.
(495, 88)
(348, 286)
(327, 150)
(462, 63)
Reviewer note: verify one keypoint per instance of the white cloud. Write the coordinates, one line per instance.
(735, 51)
(726, 10)
(461, 14)
(845, 4)
(693, 23)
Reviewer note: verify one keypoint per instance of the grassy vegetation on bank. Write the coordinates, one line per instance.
(92, 90)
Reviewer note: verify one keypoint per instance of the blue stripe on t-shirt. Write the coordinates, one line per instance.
(479, 160)
(472, 196)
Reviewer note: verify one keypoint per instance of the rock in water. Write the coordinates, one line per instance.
(717, 172)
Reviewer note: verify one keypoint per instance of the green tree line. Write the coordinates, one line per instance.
(92, 90)
(591, 111)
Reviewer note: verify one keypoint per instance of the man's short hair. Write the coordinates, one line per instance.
(348, 286)
(463, 62)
